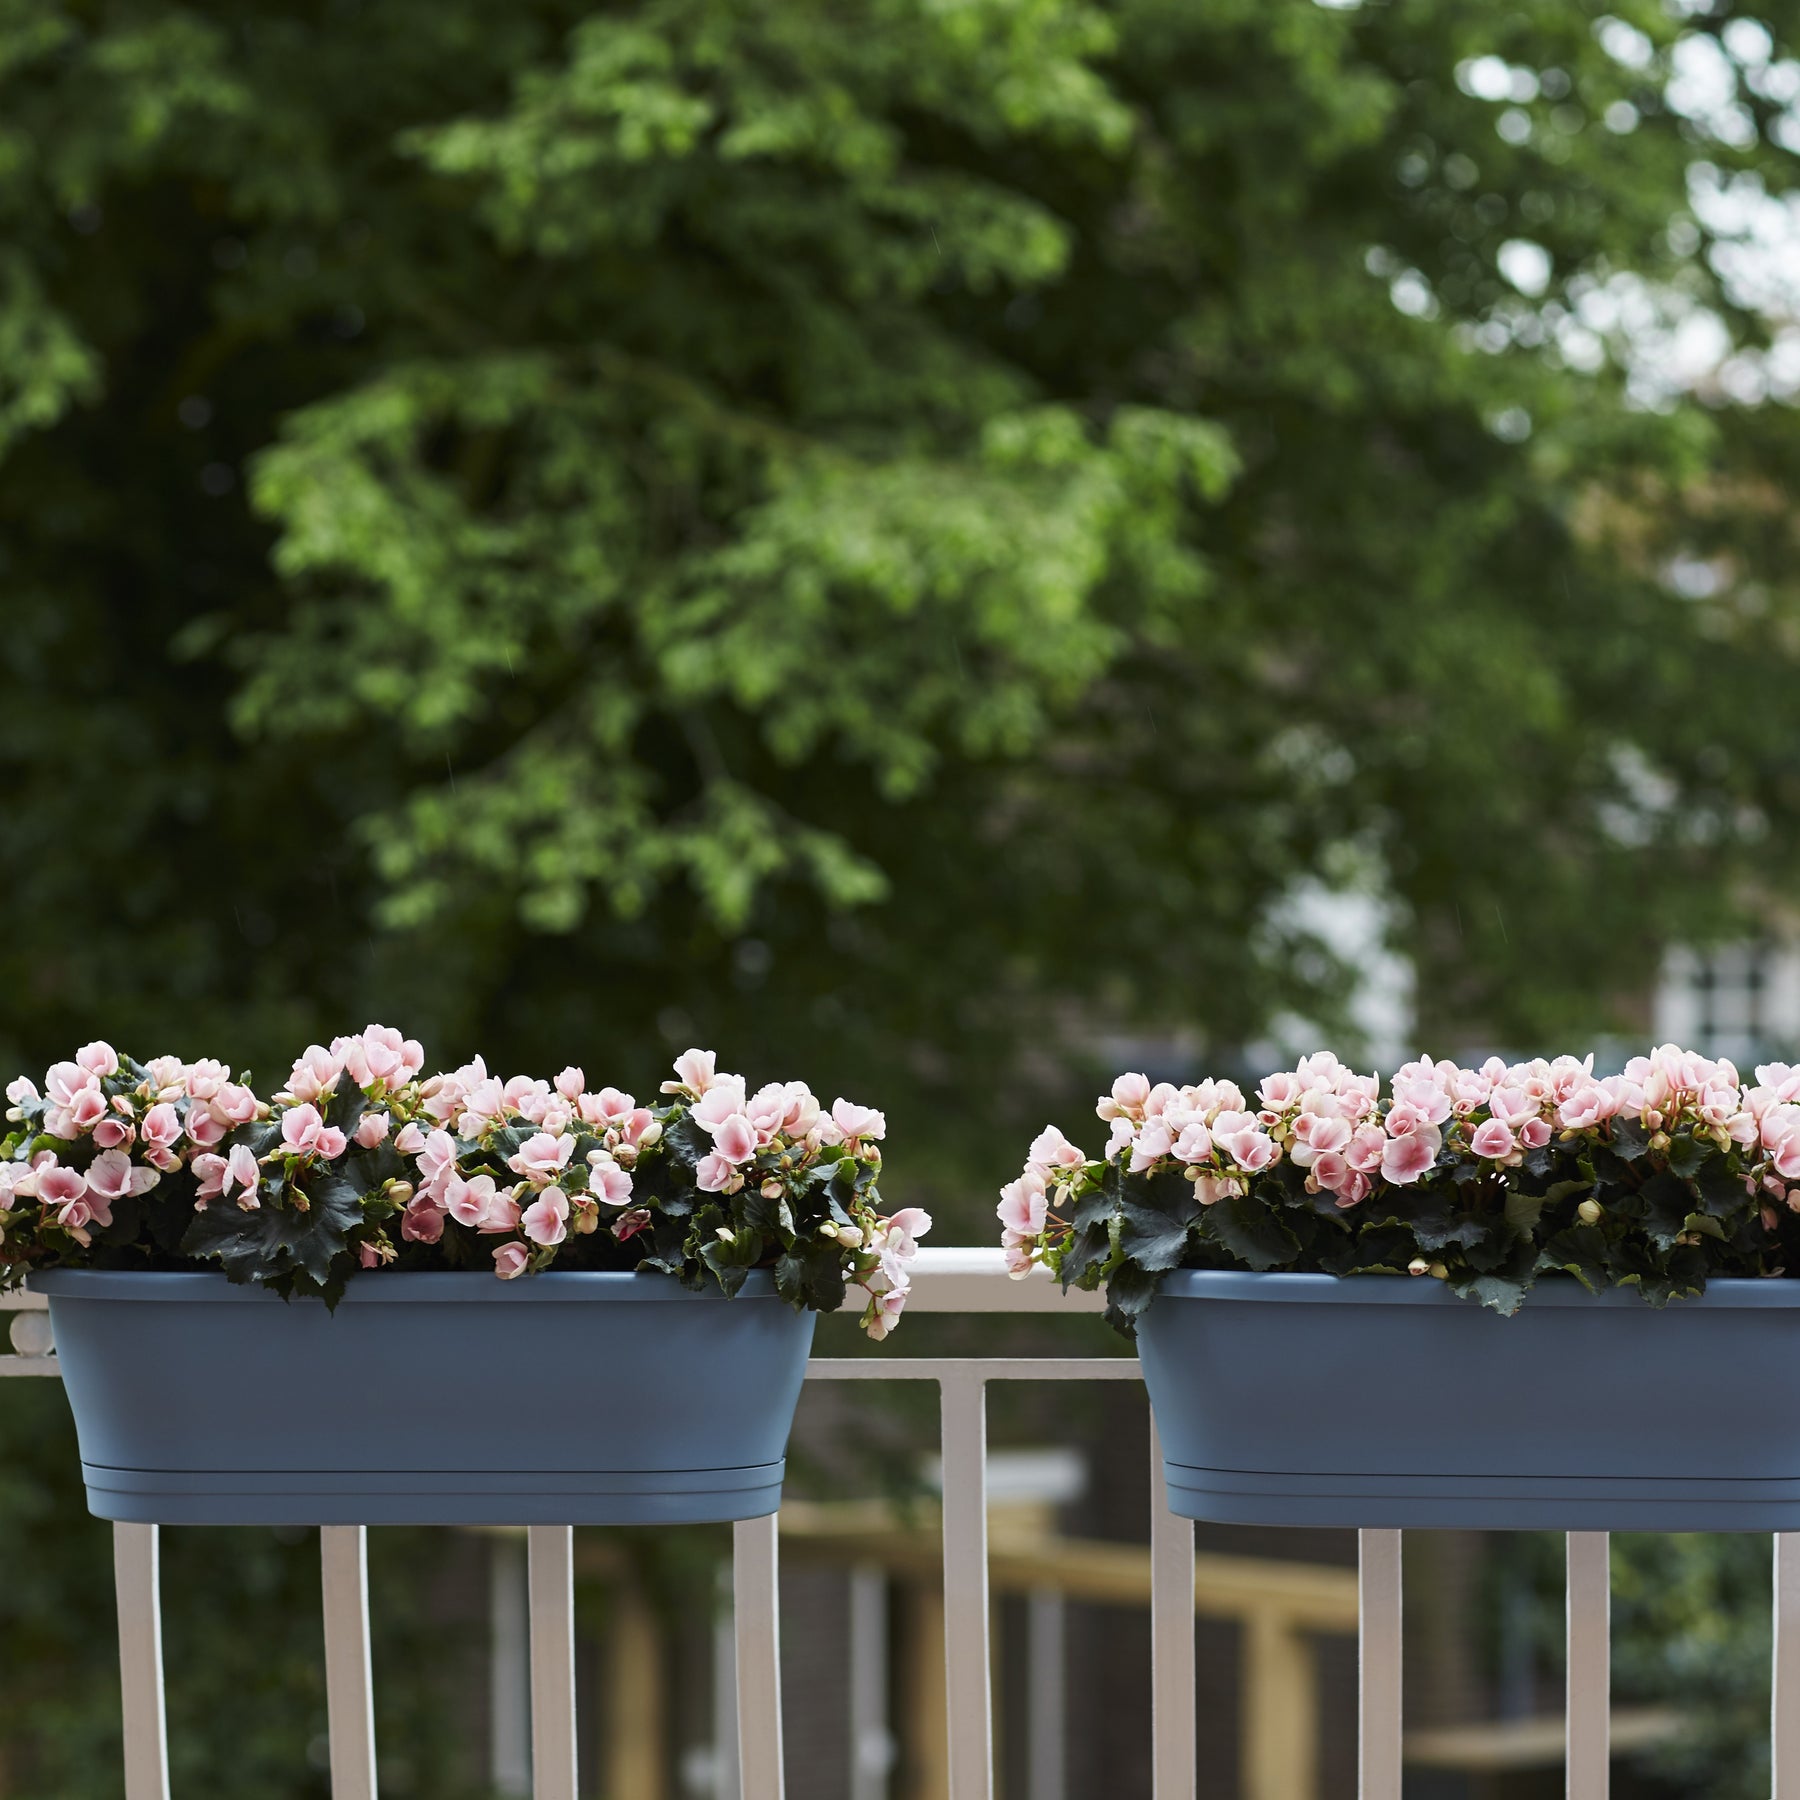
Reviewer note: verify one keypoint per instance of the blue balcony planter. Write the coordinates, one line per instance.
(428, 1399)
(1387, 1401)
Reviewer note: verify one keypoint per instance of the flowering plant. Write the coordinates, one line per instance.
(1485, 1179)
(360, 1164)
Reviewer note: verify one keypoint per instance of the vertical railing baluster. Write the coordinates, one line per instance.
(1174, 1754)
(509, 1669)
(756, 1589)
(1588, 1723)
(550, 1559)
(136, 1560)
(871, 1746)
(349, 1678)
(966, 1655)
(1380, 1665)
(1784, 1678)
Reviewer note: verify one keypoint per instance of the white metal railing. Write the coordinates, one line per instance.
(947, 1281)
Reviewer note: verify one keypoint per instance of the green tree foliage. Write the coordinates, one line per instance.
(965, 503)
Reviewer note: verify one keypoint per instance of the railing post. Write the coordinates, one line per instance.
(966, 1656)
(136, 1559)
(349, 1682)
(1174, 1752)
(1588, 1722)
(1784, 1683)
(550, 1559)
(1379, 1665)
(756, 1586)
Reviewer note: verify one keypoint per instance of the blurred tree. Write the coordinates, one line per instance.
(585, 529)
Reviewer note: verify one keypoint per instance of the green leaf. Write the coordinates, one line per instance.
(1250, 1231)
(1664, 1203)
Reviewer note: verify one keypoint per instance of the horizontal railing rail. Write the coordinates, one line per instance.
(946, 1280)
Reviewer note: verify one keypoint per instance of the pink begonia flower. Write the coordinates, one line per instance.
(712, 1174)
(1154, 1141)
(1119, 1133)
(1018, 1257)
(1363, 1152)
(22, 1092)
(1423, 1098)
(58, 1186)
(607, 1180)
(235, 1104)
(905, 1228)
(368, 1256)
(694, 1073)
(206, 1077)
(1195, 1143)
(1126, 1101)
(314, 1075)
(219, 1174)
(1584, 1107)
(437, 1162)
(1781, 1137)
(1023, 1205)
(202, 1128)
(78, 1215)
(803, 1110)
(1239, 1136)
(510, 1261)
(1493, 1141)
(1405, 1159)
(526, 1094)
(480, 1203)
(1534, 1134)
(380, 1053)
(112, 1133)
(1354, 1191)
(301, 1128)
(65, 1080)
(483, 1106)
(546, 1220)
(570, 1084)
(372, 1129)
(112, 1175)
(1512, 1106)
(1330, 1170)
(884, 1314)
(638, 1127)
(1318, 1134)
(87, 1109)
(767, 1111)
(98, 1058)
(607, 1107)
(1159, 1099)
(556, 1116)
(422, 1220)
(725, 1098)
(859, 1124)
(1051, 1150)
(735, 1139)
(410, 1140)
(542, 1158)
(1279, 1092)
